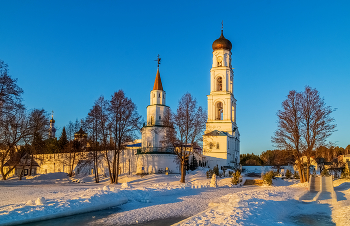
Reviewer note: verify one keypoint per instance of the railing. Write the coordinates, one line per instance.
(155, 150)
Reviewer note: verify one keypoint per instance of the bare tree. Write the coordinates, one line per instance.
(70, 131)
(39, 128)
(13, 121)
(304, 123)
(96, 125)
(184, 129)
(124, 121)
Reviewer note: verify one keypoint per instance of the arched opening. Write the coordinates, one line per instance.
(219, 61)
(219, 111)
(219, 84)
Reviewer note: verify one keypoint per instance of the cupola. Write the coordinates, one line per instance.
(222, 43)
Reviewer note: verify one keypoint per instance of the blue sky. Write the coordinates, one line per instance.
(66, 54)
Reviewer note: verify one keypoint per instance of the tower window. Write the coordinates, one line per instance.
(160, 117)
(219, 84)
(217, 145)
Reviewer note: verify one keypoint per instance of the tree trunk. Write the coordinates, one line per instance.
(96, 167)
(182, 180)
(109, 167)
(2, 171)
(114, 172)
(31, 164)
(301, 173)
(117, 175)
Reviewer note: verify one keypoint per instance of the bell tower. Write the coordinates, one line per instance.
(221, 138)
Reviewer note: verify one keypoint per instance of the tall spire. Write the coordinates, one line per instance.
(158, 82)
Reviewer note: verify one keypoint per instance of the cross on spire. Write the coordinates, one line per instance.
(52, 114)
(222, 25)
(158, 60)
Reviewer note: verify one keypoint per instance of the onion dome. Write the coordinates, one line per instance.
(222, 43)
(158, 82)
(52, 120)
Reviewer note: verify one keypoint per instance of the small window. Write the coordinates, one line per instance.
(154, 95)
(217, 145)
(160, 117)
(211, 145)
(159, 95)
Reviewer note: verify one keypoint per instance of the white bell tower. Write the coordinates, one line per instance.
(221, 139)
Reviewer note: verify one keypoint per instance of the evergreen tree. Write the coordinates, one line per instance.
(63, 141)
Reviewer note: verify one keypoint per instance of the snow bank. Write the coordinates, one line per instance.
(43, 209)
(264, 206)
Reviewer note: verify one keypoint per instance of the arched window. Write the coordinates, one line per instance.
(151, 120)
(219, 111)
(158, 95)
(217, 145)
(219, 84)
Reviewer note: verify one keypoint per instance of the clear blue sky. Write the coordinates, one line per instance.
(66, 54)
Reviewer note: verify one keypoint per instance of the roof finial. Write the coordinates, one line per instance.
(158, 60)
(222, 27)
(52, 114)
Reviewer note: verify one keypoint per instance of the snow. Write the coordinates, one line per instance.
(163, 196)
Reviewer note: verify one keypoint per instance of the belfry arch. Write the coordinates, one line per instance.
(219, 83)
(219, 108)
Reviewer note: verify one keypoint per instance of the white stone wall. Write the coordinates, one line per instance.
(152, 163)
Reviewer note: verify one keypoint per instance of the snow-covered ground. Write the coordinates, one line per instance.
(163, 196)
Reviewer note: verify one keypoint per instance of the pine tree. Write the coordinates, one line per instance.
(63, 141)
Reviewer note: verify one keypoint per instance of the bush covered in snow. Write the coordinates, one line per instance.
(267, 177)
(213, 182)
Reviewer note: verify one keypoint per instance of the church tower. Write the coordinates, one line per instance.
(152, 132)
(221, 139)
(155, 156)
(52, 129)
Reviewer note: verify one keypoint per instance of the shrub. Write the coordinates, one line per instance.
(345, 173)
(267, 177)
(325, 173)
(296, 175)
(288, 174)
(210, 173)
(230, 173)
(216, 170)
(236, 178)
